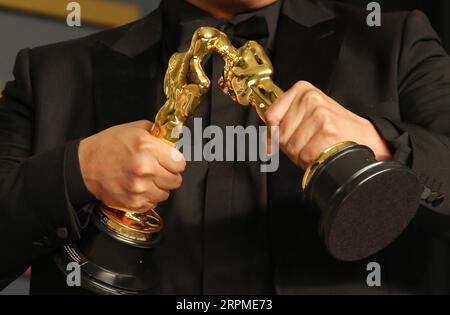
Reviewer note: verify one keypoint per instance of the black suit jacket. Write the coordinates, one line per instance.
(398, 75)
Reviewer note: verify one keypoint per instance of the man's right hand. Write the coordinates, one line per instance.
(126, 167)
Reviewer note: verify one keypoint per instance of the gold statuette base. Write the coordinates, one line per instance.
(134, 228)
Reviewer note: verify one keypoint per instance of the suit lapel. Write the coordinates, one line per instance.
(308, 44)
(307, 47)
(127, 73)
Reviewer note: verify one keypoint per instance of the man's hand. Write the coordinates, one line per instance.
(309, 122)
(126, 167)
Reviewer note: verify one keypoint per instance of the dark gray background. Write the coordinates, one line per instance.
(19, 31)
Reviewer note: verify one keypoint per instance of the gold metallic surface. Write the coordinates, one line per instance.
(246, 79)
(186, 82)
(132, 226)
(320, 160)
(249, 82)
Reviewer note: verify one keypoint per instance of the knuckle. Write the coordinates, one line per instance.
(305, 157)
(302, 84)
(328, 130)
(272, 117)
(146, 206)
(320, 113)
(291, 149)
(283, 139)
(136, 187)
(128, 186)
(312, 98)
(136, 204)
(178, 181)
(141, 168)
(182, 165)
(142, 138)
(163, 196)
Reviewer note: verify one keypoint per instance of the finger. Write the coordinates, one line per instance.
(278, 109)
(311, 151)
(167, 180)
(156, 194)
(150, 196)
(171, 159)
(291, 120)
(145, 207)
(131, 204)
(298, 140)
(153, 187)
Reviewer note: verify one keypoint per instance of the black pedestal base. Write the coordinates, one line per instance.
(365, 204)
(108, 265)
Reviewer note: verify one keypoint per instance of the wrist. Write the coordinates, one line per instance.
(378, 144)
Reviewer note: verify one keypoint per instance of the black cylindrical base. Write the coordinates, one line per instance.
(109, 265)
(365, 204)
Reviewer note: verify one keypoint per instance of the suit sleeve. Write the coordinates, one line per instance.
(79, 195)
(36, 216)
(423, 140)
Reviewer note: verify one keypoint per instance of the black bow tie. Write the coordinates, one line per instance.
(254, 28)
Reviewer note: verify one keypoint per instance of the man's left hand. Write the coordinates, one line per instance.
(309, 122)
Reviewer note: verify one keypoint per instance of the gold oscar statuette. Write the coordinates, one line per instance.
(356, 194)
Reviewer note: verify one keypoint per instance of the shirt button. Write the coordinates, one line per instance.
(62, 233)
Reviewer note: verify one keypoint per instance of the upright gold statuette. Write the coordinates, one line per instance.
(364, 204)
